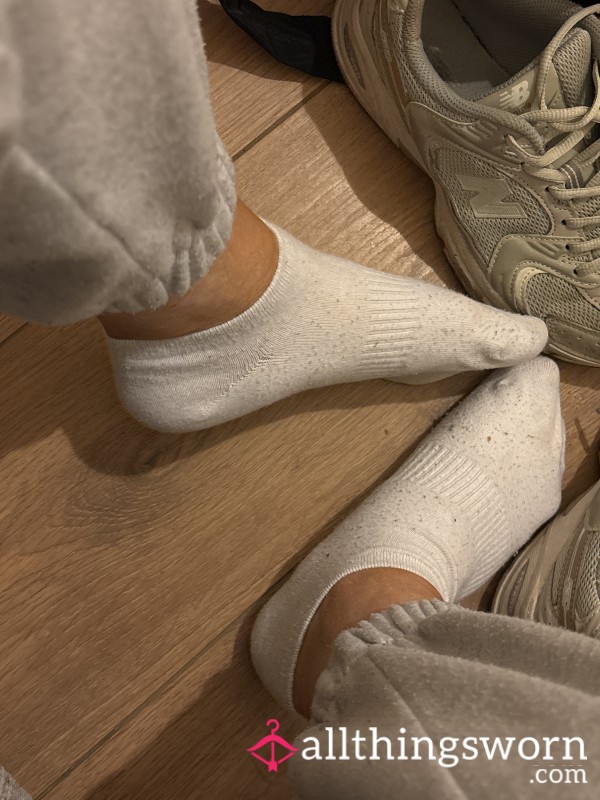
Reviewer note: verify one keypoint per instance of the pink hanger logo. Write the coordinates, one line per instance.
(271, 742)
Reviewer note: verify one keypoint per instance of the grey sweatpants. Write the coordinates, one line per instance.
(468, 683)
(115, 190)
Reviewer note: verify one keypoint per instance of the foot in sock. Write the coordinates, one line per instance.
(323, 320)
(483, 481)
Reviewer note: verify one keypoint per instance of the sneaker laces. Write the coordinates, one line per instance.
(577, 122)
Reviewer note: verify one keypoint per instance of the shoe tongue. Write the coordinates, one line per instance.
(573, 66)
(570, 81)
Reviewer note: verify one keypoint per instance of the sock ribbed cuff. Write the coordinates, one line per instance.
(279, 674)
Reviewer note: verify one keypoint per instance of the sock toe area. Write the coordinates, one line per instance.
(537, 378)
(502, 338)
(523, 338)
(458, 334)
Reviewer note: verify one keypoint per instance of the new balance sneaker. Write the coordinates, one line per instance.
(556, 579)
(498, 101)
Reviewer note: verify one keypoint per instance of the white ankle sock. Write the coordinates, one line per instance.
(486, 478)
(323, 320)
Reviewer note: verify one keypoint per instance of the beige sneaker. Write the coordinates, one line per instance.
(509, 137)
(556, 579)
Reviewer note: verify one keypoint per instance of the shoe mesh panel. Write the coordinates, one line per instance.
(590, 208)
(486, 233)
(585, 589)
(413, 90)
(528, 18)
(560, 573)
(588, 592)
(549, 296)
(573, 64)
(545, 16)
(420, 80)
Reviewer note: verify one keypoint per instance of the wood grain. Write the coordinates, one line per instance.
(251, 91)
(191, 741)
(126, 554)
(8, 326)
(124, 551)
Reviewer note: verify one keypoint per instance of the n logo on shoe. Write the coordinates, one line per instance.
(516, 96)
(490, 200)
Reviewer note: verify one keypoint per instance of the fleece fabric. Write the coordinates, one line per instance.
(114, 185)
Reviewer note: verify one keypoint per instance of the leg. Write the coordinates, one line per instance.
(116, 193)
(236, 280)
(117, 198)
(353, 599)
(483, 481)
(458, 678)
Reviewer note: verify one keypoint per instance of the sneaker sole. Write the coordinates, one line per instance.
(520, 588)
(377, 100)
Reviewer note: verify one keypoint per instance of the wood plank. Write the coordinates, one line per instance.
(125, 551)
(8, 326)
(348, 190)
(250, 89)
(191, 741)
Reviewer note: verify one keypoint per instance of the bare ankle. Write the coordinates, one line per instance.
(354, 598)
(235, 282)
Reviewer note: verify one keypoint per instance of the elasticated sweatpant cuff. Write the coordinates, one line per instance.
(116, 192)
(457, 679)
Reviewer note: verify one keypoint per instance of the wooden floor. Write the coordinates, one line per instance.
(132, 563)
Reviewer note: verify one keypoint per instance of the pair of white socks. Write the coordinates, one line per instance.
(486, 478)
